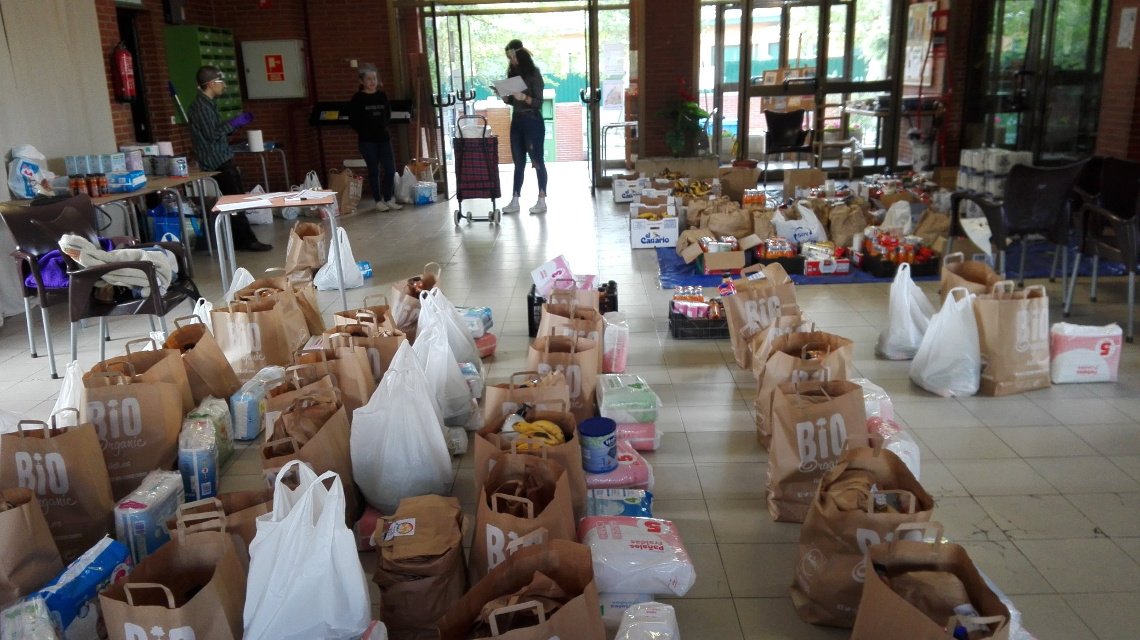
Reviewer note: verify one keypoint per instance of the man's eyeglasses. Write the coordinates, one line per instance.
(218, 80)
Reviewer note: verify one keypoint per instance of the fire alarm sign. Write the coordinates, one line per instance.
(274, 67)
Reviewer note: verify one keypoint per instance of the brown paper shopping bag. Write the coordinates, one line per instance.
(64, 467)
(419, 567)
(369, 313)
(524, 500)
(240, 510)
(207, 369)
(350, 367)
(811, 422)
(890, 567)
(575, 614)
(761, 344)
(348, 187)
(30, 556)
(975, 275)
(300, 380)
(567, 317)
(326, 450)
(258, 333)
(303, 295)
(577, 359)
(191, 587)
(524, 387)
(1013, 329)
(308, 247)
(797, 357)
(762, 295)
(405, 298)
(860, 502)
(379, 343)
(145, 362)
(489, 442)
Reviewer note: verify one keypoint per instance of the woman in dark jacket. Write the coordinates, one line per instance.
(369, 114)
(528, 130)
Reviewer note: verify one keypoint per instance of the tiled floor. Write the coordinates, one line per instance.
(1043, 489)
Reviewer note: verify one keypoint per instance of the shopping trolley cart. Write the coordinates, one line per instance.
(476, 168)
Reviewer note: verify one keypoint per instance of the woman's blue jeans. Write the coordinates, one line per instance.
(528, 135)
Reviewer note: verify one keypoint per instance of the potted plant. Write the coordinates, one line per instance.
(684, 116)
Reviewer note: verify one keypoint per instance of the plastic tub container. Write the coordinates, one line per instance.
(598, 437)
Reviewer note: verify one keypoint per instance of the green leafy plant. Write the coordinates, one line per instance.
(684, 115)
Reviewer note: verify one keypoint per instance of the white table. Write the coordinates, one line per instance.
(223, 231)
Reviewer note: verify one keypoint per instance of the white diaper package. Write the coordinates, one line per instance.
(649, 621)
(1083, 353)
(637, 555)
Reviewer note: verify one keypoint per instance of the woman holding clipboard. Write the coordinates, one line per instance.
(528, 130)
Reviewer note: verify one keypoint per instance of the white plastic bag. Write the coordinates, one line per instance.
(70, 396)
(325, 279)
(649, 621)
(242, 279)
(202, 309)
(445, 380)
(27, 172)
(908, 319)
(311, 181)
(259, 216)
(398, 449)
(435, 304)
(305, 578)
(949, 360)
(897, 441)
(406, 187)
(898, 217)
(807, 229)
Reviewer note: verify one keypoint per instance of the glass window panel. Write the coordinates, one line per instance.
(765, 40)
(803, 37)
(872, 40)
(837, 41)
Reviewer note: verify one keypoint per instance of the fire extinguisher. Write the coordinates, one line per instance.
(123, 74)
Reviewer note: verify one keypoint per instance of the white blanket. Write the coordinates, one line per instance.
(86, 254)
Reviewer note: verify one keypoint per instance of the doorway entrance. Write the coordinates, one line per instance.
(582, 49)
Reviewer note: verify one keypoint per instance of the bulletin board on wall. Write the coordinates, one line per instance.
(918, 60)
(775, 77)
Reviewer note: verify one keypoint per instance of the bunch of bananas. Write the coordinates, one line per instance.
(695, 188)
(670, 175)
(538, 434)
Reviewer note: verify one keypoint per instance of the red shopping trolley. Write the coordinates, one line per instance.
(476, 168)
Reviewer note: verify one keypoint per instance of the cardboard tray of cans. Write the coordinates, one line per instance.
(794, 266)
(608, 301)
(685, 328)
(882, 268)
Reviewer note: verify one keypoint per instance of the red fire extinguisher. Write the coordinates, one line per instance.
(123, 74)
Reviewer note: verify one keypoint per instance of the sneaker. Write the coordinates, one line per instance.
(393, 205)
(382, 206)
(540, 207)
(512, 206)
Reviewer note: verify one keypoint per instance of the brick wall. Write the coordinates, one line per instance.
(670, 47)
(964, 16)
(569, 124)
(109, 37)
(1119, 128)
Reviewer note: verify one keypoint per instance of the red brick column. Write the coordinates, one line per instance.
(668, 33)
(1118, 132)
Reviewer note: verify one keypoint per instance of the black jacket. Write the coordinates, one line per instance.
(369, 114)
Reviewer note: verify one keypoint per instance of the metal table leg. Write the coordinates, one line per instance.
(227, 261)
(285, 166)
(182, 227)
(264, 171)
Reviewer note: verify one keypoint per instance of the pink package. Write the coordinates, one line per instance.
(642, 436)
(1083, 353)
(486, 345)
(632, 472)
(637, 555)
(364, 527)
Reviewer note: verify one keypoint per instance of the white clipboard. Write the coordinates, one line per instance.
(510, 85)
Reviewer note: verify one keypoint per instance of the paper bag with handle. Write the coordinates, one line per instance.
(302, 295)
(860, 502)
(240, 509)
(763, 293)
(919, 590)
(1013, 331)
(375, 310)
(405, 298)
(191, 587)
(349, 364)
(207, 369)
(577, 358)
(564, 316)
(380, 344)
(308, 247)
(524, 387)
(65, 468)
(258, 333)
(796, 357)
(811, 422)
(420, 567)
(578, 613)
(524, 500)
(30, 556)
(974, 275)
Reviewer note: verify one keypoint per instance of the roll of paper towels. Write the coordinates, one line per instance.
(256, 143)
(165, 149)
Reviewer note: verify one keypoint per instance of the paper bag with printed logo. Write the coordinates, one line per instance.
(190, 588)
(763, 293)
(798, 357)
(524, 387)
(257, 333)
(915, 589)
(489, 442)
(1013, 330)
(136, 416)
(207, 370)
(419, 565)
(64, 467)
(761, 343)
(568, 318)
(860, 502)
(974, 275)
(507, 603)
(577, 358)
(30, 557)
(524, 500)
(811, 422)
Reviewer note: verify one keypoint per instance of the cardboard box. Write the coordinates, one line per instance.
(636, 209)
(946, 177)
(827, 267)
(802, 178)
(116, 161)
(653, 200)
(626, 187)
(147, 149)
(724, 261)
(734, 180)
(650, 234)
(125, 181)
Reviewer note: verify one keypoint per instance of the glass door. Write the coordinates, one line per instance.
(444, 36)
(611, 93)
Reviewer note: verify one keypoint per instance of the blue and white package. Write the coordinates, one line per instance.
(72, 597)
(473, 379)
(248, 403)
(140, 518)
(217, 411)
(198, 458)
(636, 503)
(477, 319)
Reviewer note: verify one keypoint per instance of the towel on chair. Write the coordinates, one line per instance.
(86, 254)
